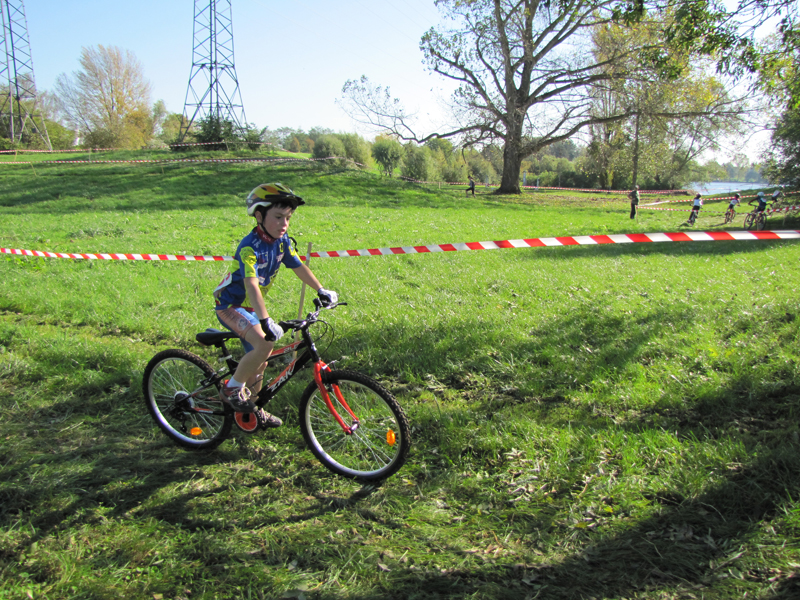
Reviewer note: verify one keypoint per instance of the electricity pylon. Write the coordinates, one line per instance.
(213, 88)
(18, 104)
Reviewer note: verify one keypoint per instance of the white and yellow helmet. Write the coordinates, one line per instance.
(268, 194)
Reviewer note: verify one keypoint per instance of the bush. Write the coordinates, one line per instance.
(388, 153)
(212, 130)
(454, 172)
(356, 148)
(328, 146)
(481, 169)
(417, 163)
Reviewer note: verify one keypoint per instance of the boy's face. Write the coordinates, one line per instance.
(276, 221)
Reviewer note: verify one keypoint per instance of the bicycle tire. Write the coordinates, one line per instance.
(761, 222)
(374, 451)
(172, 376)
(728, 216)
(748, 221)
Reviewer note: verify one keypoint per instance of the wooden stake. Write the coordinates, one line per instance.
(302, 297)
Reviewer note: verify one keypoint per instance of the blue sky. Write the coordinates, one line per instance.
(292, 57)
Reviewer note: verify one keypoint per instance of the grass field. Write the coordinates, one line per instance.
(616, 421)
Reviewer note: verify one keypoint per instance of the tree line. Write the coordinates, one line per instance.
(650, 86)
(588, 93)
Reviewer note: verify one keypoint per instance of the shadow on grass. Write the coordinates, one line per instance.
(689, 544)
(679, 552)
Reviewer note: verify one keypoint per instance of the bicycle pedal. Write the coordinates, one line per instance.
(247, 422)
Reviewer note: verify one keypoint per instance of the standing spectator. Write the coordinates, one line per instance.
(471, 187)
(634, 196)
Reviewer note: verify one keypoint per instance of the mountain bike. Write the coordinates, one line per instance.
(352, 424)
(692, 217)
(730, 215)
(757, 219)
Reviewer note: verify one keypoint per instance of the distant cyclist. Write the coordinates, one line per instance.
(762, 202)
(736, 201)
(696, 204)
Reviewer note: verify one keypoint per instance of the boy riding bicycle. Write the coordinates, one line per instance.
(240, 304)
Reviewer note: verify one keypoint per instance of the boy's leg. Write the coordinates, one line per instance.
(253, 363)
(246, 326)
(257, 356)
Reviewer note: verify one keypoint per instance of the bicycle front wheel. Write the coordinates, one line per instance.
(186, 408)
(379, 444)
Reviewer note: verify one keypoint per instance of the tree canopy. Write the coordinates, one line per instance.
(526, 80)
(108, 99)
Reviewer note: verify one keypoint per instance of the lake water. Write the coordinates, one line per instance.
(725, 187)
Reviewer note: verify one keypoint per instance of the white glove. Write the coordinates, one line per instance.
(327, 297)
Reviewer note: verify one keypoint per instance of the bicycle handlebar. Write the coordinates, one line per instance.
(298, 324)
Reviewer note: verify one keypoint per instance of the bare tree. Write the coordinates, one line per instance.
(524, 69)
(108, 99)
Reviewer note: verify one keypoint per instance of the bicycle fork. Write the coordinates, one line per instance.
(319, 367)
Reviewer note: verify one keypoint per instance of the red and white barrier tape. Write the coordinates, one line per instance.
(715, 199)
(104, 256)
(784, 209)
(577, 240)
(176, 160)
(541, 187)
(164, 147)
(769, 212)
(32, 151)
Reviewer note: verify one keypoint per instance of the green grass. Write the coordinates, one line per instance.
(614, 421)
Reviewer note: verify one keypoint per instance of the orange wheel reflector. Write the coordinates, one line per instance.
(390, 438)
(196, 431)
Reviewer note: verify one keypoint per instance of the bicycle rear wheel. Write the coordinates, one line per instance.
(748, 221)
(379, 445)
(728, 216)
(761, 222)
(187, 410)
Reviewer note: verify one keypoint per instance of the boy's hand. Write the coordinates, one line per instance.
(327, 297)
(272, 331)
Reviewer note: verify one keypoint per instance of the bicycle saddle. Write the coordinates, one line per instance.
(212, 337)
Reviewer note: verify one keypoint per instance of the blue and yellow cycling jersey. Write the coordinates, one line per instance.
(260, 256)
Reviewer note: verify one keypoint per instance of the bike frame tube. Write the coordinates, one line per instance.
(269, 391)
(319, 367)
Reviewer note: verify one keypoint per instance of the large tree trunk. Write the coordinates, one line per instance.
(512, 164)
(512, 154)
(635, 153)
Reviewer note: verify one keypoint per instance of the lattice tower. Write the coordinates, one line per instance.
(213, 88)
(19, 120)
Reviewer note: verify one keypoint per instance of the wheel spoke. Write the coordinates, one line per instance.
(378, 445)
(173, 386)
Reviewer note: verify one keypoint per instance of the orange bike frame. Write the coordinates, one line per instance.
(320, 366)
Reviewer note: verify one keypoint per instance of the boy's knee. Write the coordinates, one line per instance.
(263, 348)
